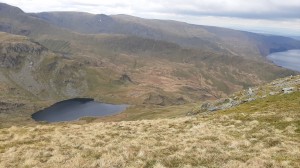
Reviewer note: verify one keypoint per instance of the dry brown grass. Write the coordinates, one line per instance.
(208, 141)
(261, 133)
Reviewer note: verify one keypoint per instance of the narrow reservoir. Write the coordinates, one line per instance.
(289, 59)
(74, 109)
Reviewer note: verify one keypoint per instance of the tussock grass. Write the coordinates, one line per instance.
(260, 133)
(239, 137)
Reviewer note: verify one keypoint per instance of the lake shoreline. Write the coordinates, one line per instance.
(288, 59)
(75, 109)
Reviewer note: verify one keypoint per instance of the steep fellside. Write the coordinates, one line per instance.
(131, 70)
(32, 77)
(152, 66)
(160, 72)
(35, 69)
(261, 133)
(223, 40)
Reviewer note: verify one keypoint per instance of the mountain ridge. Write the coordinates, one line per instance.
(187, 35)
(216, 39)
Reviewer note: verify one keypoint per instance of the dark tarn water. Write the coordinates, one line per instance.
(75, 109)
(288, 59)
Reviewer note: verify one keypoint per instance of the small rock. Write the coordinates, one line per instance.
(213, 109)
(250, 92)
(235, 103)
(288, 90)
(125, 79)
(251, 99)
(205, 106)
(248, 100)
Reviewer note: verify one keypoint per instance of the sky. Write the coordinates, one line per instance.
(280, 17)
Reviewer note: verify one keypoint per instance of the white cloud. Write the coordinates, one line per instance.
(280, 15)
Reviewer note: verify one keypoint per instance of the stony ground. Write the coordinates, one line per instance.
(261, 133)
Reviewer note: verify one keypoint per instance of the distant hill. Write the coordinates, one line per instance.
(202, 37)
(296, 37)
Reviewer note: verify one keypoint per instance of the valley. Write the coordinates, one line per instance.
(94, 90)
(53, 62)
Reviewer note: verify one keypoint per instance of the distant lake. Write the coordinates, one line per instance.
(289, 59)
(75, 109)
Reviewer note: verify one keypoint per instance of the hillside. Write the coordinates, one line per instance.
(54, 25)
(260, 133)
(216, 39)
(45, 64)
(162, 72)
(197, 96)
(140, 75)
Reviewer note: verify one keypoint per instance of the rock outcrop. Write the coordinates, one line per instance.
(288, 90)
(280, 86)
(13, 54)
(159, 99)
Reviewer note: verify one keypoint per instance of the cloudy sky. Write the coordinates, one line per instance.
(265, 16)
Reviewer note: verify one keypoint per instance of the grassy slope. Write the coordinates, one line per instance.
(262, 133)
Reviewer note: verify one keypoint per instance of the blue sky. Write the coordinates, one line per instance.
(267, 16)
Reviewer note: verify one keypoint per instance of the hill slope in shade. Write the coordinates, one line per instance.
(261, 133)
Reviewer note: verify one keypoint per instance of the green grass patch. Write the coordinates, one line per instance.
(280, 111)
